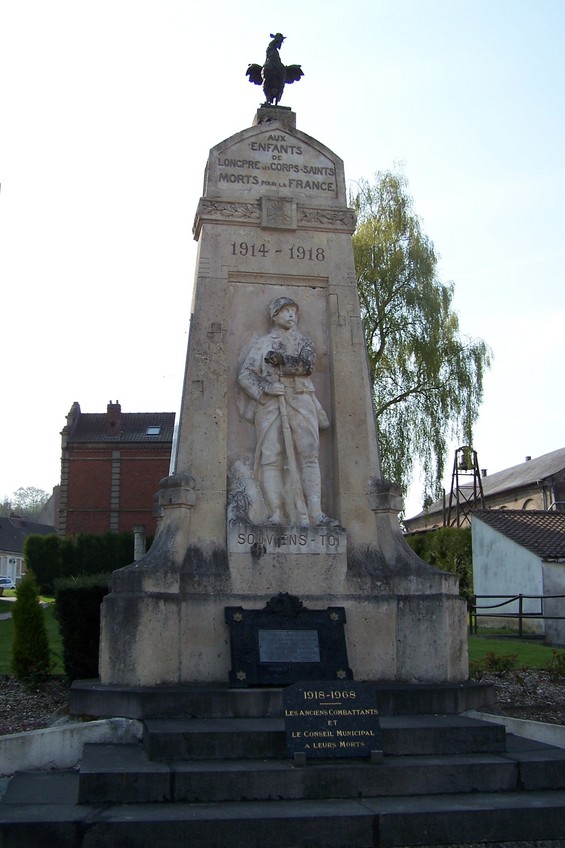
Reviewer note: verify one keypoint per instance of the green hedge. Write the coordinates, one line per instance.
(77, 609)
(52, 557)
(449, 549)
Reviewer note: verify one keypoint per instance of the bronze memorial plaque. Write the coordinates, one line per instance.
(285, 642)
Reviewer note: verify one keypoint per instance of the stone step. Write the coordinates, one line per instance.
(124, 774)
(33, 815)
(92, 698)
(177, 739)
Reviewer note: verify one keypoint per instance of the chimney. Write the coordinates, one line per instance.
(72, 418)
(74, 411)
(528, 459)
(113, 419)
(484, 472)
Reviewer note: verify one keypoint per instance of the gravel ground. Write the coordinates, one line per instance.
(529, 695)
(24, 708)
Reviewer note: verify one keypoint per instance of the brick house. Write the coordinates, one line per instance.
(111, 465)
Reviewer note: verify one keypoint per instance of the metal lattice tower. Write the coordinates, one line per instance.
(466, 487)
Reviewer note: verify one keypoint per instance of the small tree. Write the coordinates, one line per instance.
(30, 651)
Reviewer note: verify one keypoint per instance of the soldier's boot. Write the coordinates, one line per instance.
(312, 485)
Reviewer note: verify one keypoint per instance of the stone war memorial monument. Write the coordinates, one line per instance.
(277, 487)
(280, 669)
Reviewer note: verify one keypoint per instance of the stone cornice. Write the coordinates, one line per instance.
(234, 212)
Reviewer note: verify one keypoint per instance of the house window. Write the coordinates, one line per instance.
(153, 431)
(559, 497)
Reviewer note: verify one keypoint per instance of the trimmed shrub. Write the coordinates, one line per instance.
(31, 661)
(43, 557)
(492, 663)
(77, 609)
(449, 549)
(52, 557)
(97, 554)
(556, 665)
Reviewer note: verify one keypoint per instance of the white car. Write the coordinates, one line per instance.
(7, 583)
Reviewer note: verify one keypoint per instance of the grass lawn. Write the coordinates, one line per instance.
(7, 637)
(529, 654)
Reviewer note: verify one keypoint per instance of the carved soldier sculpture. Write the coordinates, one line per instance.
(287, 417)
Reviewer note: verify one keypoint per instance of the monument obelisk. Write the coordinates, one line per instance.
(277, 486)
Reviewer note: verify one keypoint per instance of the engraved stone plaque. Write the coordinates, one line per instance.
(267, 159)
(257, 541)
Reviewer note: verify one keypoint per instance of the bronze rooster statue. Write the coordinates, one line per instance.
(273, 76)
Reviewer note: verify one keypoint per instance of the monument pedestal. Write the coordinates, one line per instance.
(277, 487)
(165, 624)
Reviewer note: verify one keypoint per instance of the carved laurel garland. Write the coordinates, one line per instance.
(339, 218)
(327, 217)
(223, 209)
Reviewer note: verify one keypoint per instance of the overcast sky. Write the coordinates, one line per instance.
(108, 110)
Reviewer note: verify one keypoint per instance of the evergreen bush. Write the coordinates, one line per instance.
(77, 609)
(43, 557)
(31, 661)
(449, 549)
(52, 557)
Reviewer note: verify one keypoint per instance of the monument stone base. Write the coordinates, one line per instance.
(166, 624)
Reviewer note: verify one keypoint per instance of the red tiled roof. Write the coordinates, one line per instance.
(539, 531)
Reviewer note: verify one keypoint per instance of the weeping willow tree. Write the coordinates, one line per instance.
(427, 379)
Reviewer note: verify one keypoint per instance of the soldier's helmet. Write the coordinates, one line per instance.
(277, 304)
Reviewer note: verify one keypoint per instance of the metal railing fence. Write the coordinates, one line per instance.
(477, 610)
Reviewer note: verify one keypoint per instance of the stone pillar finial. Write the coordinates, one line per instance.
(385, 496)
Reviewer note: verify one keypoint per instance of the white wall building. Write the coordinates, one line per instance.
(515, 553)
(13, 533)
